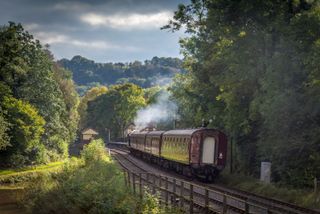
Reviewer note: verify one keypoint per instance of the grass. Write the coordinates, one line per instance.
(30, 168)
(28, 174)
(301, 197)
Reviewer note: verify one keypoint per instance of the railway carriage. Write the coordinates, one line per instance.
(192, 152)
(153, 142)
(138, 142)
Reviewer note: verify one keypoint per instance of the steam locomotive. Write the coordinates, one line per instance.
(192, 152)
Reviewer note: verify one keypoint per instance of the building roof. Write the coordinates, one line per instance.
(89, 131)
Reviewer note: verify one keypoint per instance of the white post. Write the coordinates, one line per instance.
(265, 174)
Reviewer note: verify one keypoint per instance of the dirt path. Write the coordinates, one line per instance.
(8, 202)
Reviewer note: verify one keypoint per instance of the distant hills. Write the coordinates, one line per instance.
(87, 73)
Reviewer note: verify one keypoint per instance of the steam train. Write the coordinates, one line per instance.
(192, 152)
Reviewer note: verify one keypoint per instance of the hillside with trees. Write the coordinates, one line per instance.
(87, 73)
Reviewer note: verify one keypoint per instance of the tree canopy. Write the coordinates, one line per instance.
(115, 110)
(38, 100)
(253, 68)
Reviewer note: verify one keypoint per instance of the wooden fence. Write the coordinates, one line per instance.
(189, 197)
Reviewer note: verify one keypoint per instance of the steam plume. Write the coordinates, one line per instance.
(161, 111)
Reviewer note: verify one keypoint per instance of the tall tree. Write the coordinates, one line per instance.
(252, 66)
(28, 74)
(90, 95)
(116, 109)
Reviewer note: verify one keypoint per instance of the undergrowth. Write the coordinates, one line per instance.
(302, 197)
(90, 184)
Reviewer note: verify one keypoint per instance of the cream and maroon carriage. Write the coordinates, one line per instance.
(192, 152)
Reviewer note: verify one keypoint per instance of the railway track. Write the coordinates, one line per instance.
(237, 201)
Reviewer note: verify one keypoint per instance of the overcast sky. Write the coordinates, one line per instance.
(109, 30)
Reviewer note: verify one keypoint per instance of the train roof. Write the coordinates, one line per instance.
(136, 132)
(187, 132)
(155, 133)
(177, 132)
(184, 132)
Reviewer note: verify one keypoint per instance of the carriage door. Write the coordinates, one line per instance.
(208, 150)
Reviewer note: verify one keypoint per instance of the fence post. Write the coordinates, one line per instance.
(125, 177)
(181, 193)
(166, 187)
(315, 185)
(154, 184)
(129, 181)
(174, 191)
(191, 199)
(140, 185)
(206, 201)
(134, 182)
(225, 208)
(246, 207)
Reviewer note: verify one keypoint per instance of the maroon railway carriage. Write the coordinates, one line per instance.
(192, 152)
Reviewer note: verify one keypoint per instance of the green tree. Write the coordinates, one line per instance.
(115, 109)
(28, 74)
(90, 95)
(71, 99)
(26, 129)
(252, 66)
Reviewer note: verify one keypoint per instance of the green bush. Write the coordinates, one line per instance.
(92, 184)
(94, 151)
(150, 204)
(94, 188)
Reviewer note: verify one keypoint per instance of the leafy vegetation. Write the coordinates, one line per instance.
(90, 95)
(115, 109)
(38, 101)
(73, 190)
(300, 197)
(253, 68)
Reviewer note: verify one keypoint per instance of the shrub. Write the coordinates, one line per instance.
(94, 151)
(94, 187)
(92, 184)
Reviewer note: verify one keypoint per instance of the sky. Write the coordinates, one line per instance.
(101, 30)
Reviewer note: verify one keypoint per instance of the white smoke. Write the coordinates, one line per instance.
(162, 81)
(161, 111)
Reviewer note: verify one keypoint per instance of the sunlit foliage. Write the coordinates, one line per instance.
(38, 100)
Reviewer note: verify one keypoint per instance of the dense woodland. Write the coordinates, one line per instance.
(254, 69)
(87, 73)
(38, 102)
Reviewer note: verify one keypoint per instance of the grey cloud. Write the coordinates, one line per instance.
(62, 20)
